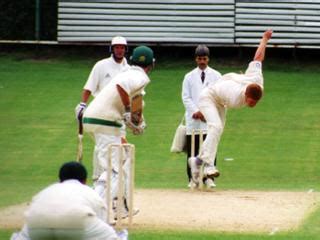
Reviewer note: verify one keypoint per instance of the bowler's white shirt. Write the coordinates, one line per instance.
(191, 88)
(65, 205)
(102, 73)
(230, 91)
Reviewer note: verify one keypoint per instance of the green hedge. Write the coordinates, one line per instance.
(17, 20)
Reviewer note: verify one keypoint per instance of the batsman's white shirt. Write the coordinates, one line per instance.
(107, 105)
(230, 91)
(191, 89)
(102, 73)
(66, 206)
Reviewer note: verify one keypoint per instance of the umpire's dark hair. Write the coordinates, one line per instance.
(73, 170)
(201, 51)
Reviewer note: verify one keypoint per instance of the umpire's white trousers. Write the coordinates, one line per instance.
(95, 229)
(215, 115)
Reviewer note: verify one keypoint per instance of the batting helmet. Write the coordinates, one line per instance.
(202, 50)
(118, 40)
(142, 56)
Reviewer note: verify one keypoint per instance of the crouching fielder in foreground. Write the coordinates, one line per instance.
(232, 91)
(68, 210)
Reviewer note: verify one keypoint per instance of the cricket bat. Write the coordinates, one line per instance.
(80, 137)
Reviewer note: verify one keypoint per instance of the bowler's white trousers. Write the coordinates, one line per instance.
(215, 115)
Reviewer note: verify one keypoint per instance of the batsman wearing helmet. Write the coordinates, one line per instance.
(232, 91)
(194, 82)
(112, 107)
(100, 76)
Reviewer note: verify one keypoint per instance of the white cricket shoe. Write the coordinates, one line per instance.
(211, 171)
(195, 169)
(125, 213)
(192, 184)
(210, 183)
(123, 234)
(134, 212)
(15, 236)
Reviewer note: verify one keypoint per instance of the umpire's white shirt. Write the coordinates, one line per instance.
(191, 88)
(102, 73)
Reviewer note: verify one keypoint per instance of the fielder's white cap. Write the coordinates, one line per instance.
(118, 40)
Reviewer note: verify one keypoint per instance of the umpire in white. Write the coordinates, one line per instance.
(194, 82)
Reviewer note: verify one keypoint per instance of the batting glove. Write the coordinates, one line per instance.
(140, 129)
(136, 129)
(127, 117)
(80, 109)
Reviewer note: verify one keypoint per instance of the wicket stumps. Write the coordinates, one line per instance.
(125, 152)
(193, 147)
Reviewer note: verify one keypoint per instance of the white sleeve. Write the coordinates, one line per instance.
(186, 96)
(133, 86)
(254, 72)
(254, 67)
(218, 75)
(102, 213)
(22, 235)
(100, 208)
(93, 80)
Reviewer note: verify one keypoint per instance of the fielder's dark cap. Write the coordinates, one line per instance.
(73, 170)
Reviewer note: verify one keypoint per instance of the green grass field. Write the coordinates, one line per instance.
(275, 145)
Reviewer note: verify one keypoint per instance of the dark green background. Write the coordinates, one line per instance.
(17, 19)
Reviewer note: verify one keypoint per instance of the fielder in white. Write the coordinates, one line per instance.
(232, 91)
(68, 210)
(100, 76)
(105, 114)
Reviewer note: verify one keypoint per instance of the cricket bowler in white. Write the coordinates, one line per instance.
(68, 210)
(100, 76)
(105, 115)
(232, 91)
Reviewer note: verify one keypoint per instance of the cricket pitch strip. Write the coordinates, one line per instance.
(221, 211)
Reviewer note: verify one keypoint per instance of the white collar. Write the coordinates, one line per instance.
(123, 62)
(72, 181)
(200, 70)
